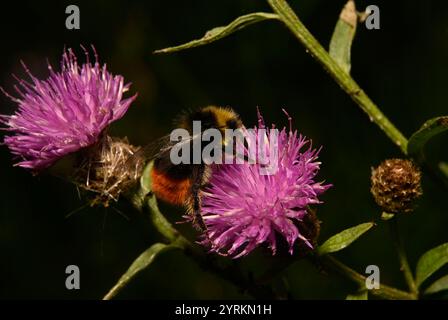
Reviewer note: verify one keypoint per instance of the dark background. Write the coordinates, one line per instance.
(402, 67)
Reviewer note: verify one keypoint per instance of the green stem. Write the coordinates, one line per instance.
(331, 263)
(384, 291)
(232, 274)
(404, 264)
(162, 224)
(225, 270)
(290, 19)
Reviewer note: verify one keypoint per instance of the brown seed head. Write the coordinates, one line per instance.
(396, 184)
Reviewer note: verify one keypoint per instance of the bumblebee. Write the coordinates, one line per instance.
(180, 184)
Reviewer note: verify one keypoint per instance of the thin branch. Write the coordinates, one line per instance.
(384, 291)
(227, 270)
(404, 264)
(346, 82)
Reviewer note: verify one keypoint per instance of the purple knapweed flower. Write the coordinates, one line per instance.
(64, 113)
(244, 209)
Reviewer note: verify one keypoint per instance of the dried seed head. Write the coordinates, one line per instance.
(108, 170)
(396, 184)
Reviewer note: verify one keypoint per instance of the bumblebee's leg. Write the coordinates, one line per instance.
(198, 178)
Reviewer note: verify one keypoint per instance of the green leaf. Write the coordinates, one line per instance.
(344, 238)
(385, 216)
(429, 129)
(360, 295)
(430, 262)
(139, 197)
(438, 285)
(221, 32)
(145, 179)
(443, 166)
(343, 35)
(142, 262)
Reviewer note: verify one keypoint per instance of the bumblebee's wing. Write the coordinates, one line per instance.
(157, 148)
(145, 154)
(154, 148)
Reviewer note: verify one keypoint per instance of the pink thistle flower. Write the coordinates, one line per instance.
(64, 113)
(244, 209)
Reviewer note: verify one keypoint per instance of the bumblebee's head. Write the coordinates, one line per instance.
(212, 117)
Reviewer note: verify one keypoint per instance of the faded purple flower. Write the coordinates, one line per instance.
(63, 113)
(243, 209)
